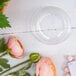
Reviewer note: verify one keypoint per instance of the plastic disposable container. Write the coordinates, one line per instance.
(51, 25)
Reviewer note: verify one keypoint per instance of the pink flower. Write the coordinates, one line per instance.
(45, 67)
(16, 47)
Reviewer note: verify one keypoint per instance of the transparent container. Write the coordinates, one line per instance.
(51, 25)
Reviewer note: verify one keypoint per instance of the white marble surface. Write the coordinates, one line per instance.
(19, 12)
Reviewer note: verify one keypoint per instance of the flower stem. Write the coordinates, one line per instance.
(14, 66)
(3, 54)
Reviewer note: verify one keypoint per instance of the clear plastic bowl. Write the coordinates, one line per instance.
(51, 25)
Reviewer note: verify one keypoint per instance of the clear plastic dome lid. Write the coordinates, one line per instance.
(51, 25)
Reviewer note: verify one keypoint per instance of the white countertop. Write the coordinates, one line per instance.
(19, 12)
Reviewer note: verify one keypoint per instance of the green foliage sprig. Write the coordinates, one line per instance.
(3, 19)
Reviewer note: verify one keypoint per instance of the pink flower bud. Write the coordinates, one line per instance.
(16, 47)
(45, 67)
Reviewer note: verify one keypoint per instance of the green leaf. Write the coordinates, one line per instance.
(13, 74)
(4, 21)
(28, 66)
(2, 5)
(19, 73)
(23, 73)
(27, 74)
(3, 45)
(4, 63)
(3, 60)
(34, 57)
(3, 1)
(1, 69)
